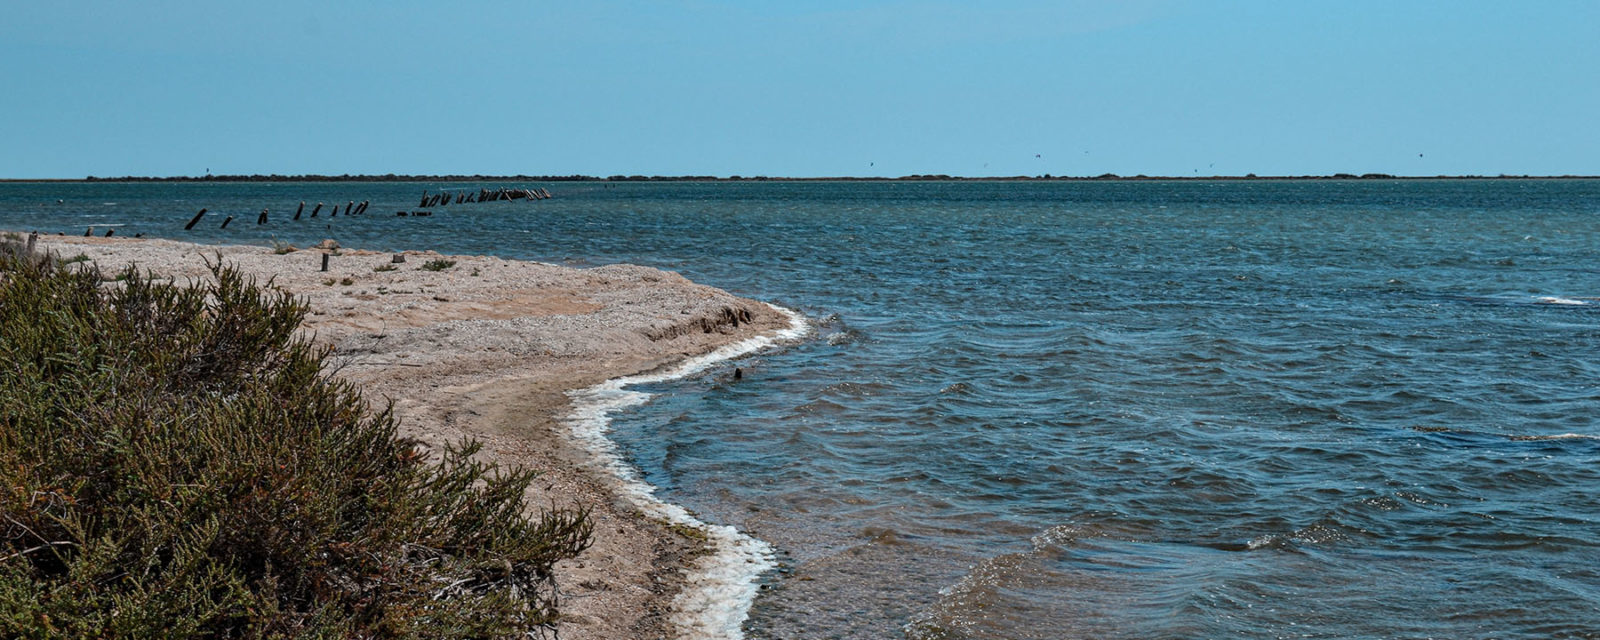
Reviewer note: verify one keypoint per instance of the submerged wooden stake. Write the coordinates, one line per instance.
(225, 222)
(194, 220)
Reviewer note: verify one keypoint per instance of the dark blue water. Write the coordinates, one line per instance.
(1096, 410)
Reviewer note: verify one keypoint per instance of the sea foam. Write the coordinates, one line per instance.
(716, 599)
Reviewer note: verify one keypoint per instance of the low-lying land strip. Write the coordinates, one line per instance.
(481, 347)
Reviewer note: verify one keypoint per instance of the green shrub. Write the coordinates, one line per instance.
(438, 265)
(175, 463)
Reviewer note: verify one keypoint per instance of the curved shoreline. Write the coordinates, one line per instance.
(716, 599)
(489, 349)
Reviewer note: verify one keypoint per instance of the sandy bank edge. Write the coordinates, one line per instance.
(490, 349)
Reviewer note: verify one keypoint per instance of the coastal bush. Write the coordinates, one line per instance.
(438, 265)
(176, 463)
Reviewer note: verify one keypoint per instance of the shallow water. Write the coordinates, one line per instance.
(1101, 410)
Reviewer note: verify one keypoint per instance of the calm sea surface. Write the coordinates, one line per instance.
(1087, 410)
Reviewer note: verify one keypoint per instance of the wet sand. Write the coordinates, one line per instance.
(488, 348)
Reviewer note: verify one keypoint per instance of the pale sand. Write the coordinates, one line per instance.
(488, 349)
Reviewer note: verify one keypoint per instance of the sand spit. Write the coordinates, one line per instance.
(489, 348)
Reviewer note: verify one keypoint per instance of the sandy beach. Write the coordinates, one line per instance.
(488, 348)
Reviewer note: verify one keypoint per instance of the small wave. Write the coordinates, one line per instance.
(1561, 436)
(848, 336)
(1559, 300)
(716, 600)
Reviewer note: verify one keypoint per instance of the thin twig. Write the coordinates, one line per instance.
(46, 545)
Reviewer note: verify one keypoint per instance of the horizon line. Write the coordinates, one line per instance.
(392, 177)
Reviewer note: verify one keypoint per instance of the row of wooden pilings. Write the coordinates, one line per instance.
(483, 195)
(351, 208)
(428, 201)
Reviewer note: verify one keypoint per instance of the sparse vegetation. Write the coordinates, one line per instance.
(386, 267)
(347, 281)
(438, 264)
(280, 248)
(82, 257)
(175, 463)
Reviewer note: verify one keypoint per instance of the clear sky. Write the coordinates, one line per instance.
(799, 88)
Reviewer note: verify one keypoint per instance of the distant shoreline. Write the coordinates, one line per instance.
(1106, 177)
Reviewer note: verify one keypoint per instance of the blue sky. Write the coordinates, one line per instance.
(799, 88)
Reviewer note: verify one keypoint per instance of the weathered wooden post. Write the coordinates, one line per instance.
(315, 209)
(324, 262)
(88, 232)
(302, 209)
(262, 219)
(194, 220)
(225, 222)
(335, 211)
(109, 232)
(424, 201)
(33, 238)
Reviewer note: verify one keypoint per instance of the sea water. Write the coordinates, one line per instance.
(1321, 409)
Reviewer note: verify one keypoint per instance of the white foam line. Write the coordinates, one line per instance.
(1559, 300)
(716, 600)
